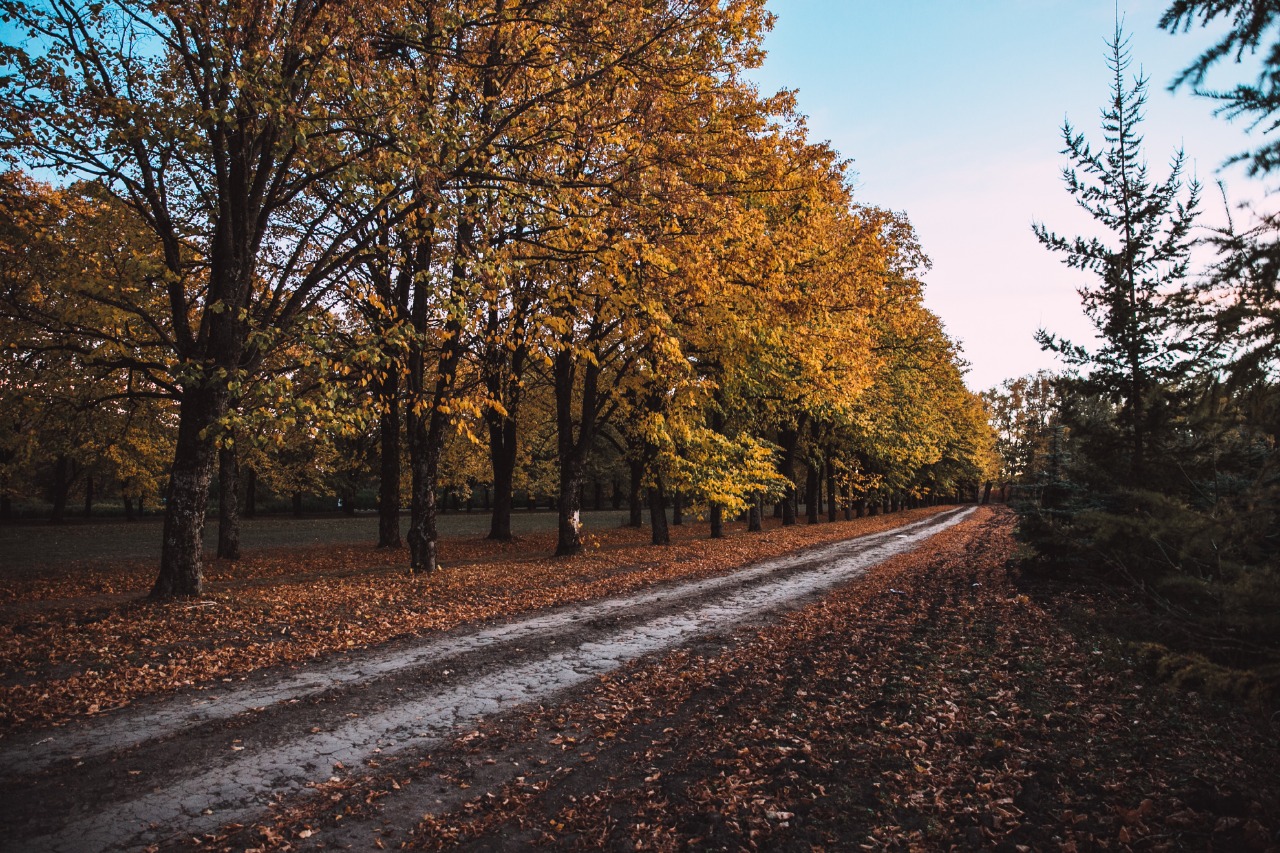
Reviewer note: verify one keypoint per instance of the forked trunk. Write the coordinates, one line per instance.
(575, 433)
(502, 456)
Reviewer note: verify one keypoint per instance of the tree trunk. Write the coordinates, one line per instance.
(986, 493)
(250, 494)
(789, 439)
(503, 448)
(424, 460)
(187, 498)
(754, 522)
(832, 503)
(813, 485)
(228, 507)
(129, 513)
(569, 512)
(574, 436)
(389, 463)
(636, 518)
(677, 509)
(297, 504)
(658, 514)
(61, 488)
(88, 497)
(717, 521)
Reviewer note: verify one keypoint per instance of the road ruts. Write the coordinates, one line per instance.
(188, 765)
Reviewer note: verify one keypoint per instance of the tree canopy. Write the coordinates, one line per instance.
(539, 245)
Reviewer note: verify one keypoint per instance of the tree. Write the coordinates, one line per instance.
(1249, 24)
(1244, 287)
(229, 128)
(1021, 412)
(72, 261)
(1150, 224)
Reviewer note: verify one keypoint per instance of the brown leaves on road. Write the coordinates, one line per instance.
(933, 705)
(73, 644)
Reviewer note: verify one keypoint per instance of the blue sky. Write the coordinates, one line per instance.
(951, 110)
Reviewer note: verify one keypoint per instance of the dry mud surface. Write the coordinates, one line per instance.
(160, 773)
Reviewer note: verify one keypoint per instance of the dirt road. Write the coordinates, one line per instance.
(162, 772)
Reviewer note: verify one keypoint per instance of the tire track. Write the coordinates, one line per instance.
(223, 758)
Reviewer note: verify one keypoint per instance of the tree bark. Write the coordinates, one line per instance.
(228, 506)
(574, 436)
(426, 443)
(88, 496)
(187, 498)
(635, 505)
(389, 462)
(658, 514)
(754, 522)
(61, 488)
(569, 511)
(677, 509)
(250, 494)
(813, 485)
(502, 458)
(833, 507)
(425, 432)
(717, 521)
(129, 513)
(789, 439)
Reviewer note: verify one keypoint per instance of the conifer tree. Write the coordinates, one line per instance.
(1143, 259)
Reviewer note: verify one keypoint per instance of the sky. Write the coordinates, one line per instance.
(951, 110)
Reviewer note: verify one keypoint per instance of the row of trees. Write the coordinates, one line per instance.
(1155, 458)
(287, 231)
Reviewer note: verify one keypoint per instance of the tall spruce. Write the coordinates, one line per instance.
(1141, 261)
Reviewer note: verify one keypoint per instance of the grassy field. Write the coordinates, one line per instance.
(30, 548)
